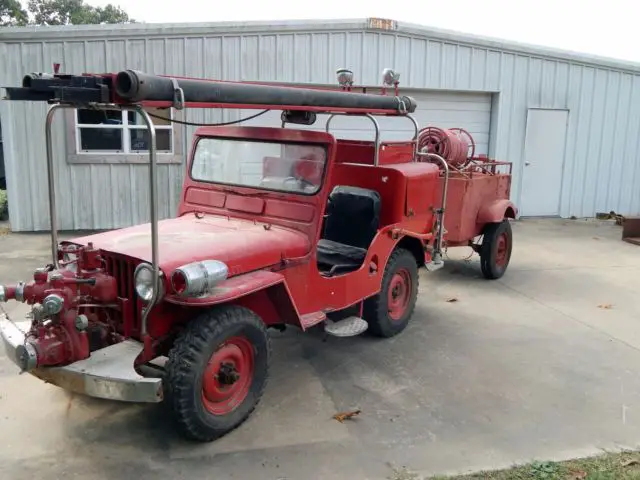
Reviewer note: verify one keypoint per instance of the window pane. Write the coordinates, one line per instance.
(136, 119)
(275, 166)
(99, 117)
(101, 139)
(140, 140)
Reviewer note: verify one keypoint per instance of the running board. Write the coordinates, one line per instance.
(347, 327)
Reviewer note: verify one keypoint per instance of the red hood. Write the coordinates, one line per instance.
(241, 244)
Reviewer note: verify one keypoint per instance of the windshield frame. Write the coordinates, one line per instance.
(322, 145)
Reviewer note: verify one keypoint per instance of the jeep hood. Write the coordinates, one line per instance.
(243, 245)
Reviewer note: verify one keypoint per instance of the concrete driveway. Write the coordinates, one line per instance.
(521, 368)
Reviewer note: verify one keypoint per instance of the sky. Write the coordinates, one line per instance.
(608, 28)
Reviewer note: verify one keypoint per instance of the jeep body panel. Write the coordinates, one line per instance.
(243, 245)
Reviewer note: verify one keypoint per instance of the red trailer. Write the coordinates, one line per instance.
(276, 227)
(478, 198)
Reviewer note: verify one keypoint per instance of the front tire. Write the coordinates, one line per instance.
(388, 313)
(217, 371)
(495, 251)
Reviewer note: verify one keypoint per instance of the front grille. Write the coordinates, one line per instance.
(122, 269)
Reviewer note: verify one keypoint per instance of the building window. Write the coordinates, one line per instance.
(117, 131)
(115, 136)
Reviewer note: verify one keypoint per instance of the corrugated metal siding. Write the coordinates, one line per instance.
(601, 169)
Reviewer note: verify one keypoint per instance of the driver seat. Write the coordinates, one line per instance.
(353, 218)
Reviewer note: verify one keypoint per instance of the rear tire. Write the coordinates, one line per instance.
(388, 313)
(217, 371)
(495, 251)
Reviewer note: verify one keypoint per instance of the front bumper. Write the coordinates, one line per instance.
(108, 373)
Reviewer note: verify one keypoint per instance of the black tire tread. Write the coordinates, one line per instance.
(187, 351)
(372, 304)
(490, 235)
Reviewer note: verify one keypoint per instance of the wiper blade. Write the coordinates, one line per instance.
(244, 194)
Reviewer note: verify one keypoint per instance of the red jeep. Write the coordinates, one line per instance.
(276, 227)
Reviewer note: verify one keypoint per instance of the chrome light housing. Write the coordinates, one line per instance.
(390, 77)
(143, 281)
(345, 77)
(198, 278)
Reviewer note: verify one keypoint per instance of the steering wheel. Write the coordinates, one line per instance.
(300, 180)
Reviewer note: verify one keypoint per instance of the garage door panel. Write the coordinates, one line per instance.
(451, 117)
(454, 106)
(444, 109)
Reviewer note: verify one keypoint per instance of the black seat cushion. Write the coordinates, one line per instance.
(353, 216)
(339, 255)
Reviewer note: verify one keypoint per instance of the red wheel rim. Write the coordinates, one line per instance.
(399, 294)
(227, 376)
(502, 245)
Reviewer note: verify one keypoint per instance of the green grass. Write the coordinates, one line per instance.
(3, 205)
(608, 466)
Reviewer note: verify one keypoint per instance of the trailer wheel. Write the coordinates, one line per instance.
(495, 251)
(389, 312)
(217, 371)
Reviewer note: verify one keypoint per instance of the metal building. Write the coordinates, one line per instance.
(570, 123)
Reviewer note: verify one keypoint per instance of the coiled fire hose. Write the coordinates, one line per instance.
(450, 144)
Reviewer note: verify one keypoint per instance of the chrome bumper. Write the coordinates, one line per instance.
(108, 373)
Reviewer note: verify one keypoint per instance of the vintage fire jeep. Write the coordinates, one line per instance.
(275, 227)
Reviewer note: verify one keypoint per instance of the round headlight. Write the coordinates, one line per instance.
(143, 279)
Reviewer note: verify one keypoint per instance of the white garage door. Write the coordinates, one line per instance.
(444, 109)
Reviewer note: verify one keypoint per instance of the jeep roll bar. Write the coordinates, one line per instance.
(376, 125)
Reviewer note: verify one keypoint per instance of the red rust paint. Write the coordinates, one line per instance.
(243, 245)
(204, 197)
(399, 294)
(502, 247)
(227, 377)
(233, 288)
(473, 200)
(245, 204)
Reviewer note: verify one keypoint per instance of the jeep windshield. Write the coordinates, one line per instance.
(285, 167)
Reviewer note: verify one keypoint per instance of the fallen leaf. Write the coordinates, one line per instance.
(606, 306)
(577, 475)
(628, 463)
(452, 299)
(341, 417)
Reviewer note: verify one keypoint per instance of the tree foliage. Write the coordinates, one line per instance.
(12, 13)
(59, 12)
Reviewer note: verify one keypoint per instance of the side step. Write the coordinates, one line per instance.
(436, 263)
(433, 266)
(347, 327)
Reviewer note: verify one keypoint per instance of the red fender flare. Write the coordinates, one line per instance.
(496, 211)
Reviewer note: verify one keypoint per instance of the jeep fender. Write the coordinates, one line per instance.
(496, 211)
(262, 291)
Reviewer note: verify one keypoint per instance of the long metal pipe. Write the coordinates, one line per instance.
(153, 199)
(415, 126)
(135, 86)
(53, 217)
(445, 166)
(415, 135)
(376, 153)
(153, 195)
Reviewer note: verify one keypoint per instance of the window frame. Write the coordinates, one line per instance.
(127, 156)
